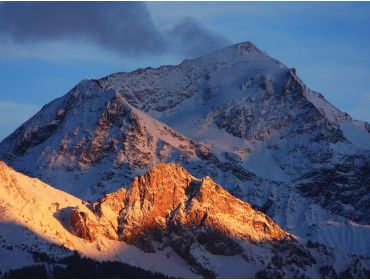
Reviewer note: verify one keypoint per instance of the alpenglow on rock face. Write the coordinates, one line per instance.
(168, 200)
(236, 115)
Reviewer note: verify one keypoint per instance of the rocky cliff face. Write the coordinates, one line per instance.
(169, 200)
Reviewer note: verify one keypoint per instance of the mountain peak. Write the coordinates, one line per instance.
(168, 169)
(169, 199)
(163, 172)
(234, 54)
(246, 46)
(242, 49)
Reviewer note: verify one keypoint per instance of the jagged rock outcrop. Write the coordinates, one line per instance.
(168, 199)
(84, 225)
(170, 207)
(108, 209)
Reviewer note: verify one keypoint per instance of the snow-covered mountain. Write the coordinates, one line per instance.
(92, 141)
(177, 224)
(237, 115)
(253, 109)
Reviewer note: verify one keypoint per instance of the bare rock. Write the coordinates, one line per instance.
(84, 224)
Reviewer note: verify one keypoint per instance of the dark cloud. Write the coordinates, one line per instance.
(124, 27)
(190, 38)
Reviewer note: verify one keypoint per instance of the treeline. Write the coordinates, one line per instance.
(29, 272)
(76, 266)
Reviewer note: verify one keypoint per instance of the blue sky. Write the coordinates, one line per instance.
(327, 42)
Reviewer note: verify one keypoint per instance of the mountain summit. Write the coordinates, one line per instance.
(236, 115)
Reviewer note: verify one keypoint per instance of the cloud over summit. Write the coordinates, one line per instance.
(124, 27)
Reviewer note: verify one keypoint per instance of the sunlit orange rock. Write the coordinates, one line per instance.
(107, 210)
(169, 199)
(172, 207)
(83, 224)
